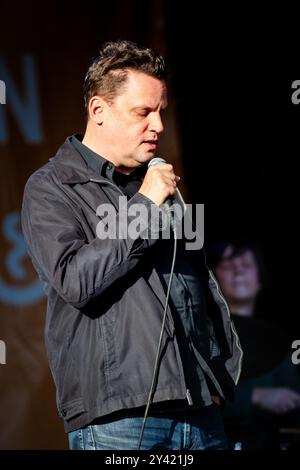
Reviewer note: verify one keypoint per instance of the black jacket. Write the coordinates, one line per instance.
(105, 300)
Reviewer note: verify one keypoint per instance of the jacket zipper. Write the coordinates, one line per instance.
(231, 325)
(189, 397)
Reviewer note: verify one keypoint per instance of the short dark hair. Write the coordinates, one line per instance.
(109, 70)
(216, 250)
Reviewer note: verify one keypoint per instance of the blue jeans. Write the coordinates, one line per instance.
(201, 431)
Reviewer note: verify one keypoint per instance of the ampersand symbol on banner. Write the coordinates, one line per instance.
(10, 294)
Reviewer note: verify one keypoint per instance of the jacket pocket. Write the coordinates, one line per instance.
(69, 384)
(108, 334)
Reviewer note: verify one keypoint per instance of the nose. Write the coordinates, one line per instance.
(156, 124)
(238, 268)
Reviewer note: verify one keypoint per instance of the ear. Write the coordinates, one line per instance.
(96, 106)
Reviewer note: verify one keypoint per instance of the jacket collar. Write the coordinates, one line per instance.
(71, 168)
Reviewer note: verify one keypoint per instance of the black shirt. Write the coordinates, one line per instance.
(129, 184)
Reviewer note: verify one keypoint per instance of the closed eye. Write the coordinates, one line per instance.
(143, 111)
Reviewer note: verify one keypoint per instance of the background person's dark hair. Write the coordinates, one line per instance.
(264, 302)
(108, 71)
(216, 252)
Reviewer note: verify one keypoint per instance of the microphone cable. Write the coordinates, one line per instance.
(155, 370)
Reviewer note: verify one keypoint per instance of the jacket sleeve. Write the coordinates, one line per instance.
(77, 269)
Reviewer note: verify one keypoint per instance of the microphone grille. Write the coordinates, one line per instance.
(156, 161)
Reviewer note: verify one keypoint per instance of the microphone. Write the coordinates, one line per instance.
(157, 161)
(178, 197)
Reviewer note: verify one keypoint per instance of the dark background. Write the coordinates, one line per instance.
(240, 137)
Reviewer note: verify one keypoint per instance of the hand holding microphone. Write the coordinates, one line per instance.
(160, 181)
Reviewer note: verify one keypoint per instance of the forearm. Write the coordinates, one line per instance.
(77, 269)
